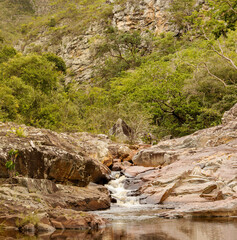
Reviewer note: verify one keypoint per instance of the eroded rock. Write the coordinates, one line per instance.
(44, 154)
(47, 206)
(122, 132)
(196, 174)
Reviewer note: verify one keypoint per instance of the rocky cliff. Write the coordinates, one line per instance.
(142, 15)
(75, 48)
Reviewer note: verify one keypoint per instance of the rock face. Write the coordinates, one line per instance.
(195, 174)
(76, 50)
(48, 206)
(44, 154)
(142, 14)
(55, 184)
(230, 115)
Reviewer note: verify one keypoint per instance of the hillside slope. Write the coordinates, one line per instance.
(165, 67)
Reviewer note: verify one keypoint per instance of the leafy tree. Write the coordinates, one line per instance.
(122, 50)
(6, 53)
(217, 17)
(34, 70)
(58, 61)
(179, 11)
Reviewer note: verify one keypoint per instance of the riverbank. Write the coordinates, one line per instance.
(49, 181)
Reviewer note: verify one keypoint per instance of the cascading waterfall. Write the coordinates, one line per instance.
(118, 192)
(126, 207)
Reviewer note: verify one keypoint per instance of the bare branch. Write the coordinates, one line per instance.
(221, 53)
(213, 75)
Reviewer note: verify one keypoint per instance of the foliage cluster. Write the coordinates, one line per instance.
(11, 163)
(121, 51)
(32, 91)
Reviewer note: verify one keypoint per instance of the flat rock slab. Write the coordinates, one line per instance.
(48, 206)
(195, 173)
(133, 171)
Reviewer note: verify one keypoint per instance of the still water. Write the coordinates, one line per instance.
(130, 225)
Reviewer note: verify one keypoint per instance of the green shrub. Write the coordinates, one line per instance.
(58, 61)
(52, 22)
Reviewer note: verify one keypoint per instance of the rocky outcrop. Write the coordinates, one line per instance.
(48, 206)
(77, 158)
(57, 176)
(76, 50)
(44, 154)
(142, 14)
(121, 131)
(31, 194)
(195, 174)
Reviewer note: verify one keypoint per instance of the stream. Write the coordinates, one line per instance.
(130, 220)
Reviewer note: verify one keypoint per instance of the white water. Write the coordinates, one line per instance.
(126, 208)
(118, 192)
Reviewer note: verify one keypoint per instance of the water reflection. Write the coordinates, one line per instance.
(152, 229)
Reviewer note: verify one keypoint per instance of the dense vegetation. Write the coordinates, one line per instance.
(166, 84)
(32, 91)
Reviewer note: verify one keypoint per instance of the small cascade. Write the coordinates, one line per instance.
(119, 193)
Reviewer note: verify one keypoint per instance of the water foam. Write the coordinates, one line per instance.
(118, 192)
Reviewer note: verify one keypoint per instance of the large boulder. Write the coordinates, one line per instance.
(121, 131)
(43, 154)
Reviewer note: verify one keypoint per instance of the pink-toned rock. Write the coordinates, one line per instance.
(125, 165)
(160, 197)
(197, 173)
(135, 170)
(117, 166)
